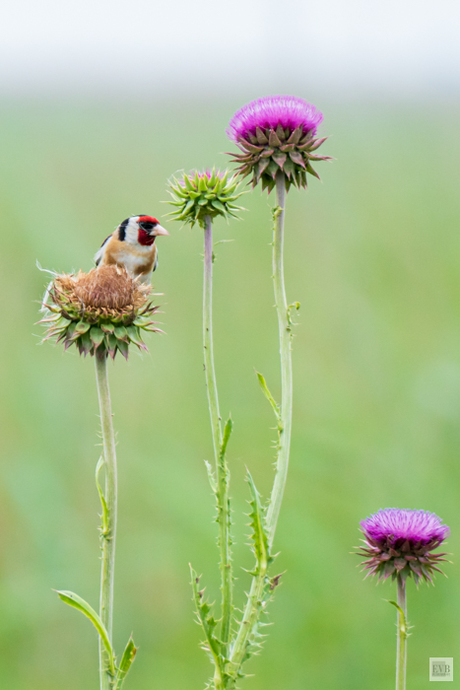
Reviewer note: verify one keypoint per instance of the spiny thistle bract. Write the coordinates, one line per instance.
(101, 312)
(400, 543)
(274, 134)
(200, 194)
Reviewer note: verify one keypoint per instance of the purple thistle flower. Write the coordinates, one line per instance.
(276, 136)
(267, 113)
(400, 543)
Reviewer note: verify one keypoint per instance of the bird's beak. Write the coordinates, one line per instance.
(160, 230)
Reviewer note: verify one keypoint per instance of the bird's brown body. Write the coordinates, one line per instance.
(132, 246)
(137, 261)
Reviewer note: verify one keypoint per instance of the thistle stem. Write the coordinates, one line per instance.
(222, 473)
(401, 644)
(256, 601)
(107, 535)
(284, 326)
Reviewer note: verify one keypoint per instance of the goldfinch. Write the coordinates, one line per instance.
(132, 246)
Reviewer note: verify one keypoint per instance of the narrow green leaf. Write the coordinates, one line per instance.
(226, 436)
(268, 395)
(80, 604)
(105, 510)
(401, 612)
(125, 664)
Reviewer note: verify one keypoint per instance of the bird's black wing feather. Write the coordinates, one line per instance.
(98, 260)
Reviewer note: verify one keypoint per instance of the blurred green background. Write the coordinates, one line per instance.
(372, 254)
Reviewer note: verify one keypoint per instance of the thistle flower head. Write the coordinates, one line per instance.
(276, 134)
(400, 543)
(101, 312)
(200, 194)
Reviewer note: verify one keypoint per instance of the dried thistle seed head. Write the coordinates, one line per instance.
(400, 543)
(200, 194)
(276, 134)
(101, 311)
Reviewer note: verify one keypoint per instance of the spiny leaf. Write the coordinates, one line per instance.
(208, 622)
(80, 604)
(259, 535)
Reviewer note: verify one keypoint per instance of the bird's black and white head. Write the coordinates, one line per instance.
(140, 230)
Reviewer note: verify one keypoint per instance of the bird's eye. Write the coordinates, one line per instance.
(146, 226)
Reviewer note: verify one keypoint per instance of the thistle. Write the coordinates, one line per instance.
(399, 543)
(202, 195)
(100, 312)
(276, 134)
(276, 137)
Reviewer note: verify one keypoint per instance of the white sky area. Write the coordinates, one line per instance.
(405, 47)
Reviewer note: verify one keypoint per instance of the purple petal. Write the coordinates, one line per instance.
(267, 113)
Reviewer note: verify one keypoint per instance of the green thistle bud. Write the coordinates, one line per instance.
(202, 194)
(101, 311)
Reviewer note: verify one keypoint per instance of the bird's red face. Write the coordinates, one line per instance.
(148, 229)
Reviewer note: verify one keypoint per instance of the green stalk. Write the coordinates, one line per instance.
(284, 326)
(223, 508)
(401, 645)
(257, 592)
(109, 532)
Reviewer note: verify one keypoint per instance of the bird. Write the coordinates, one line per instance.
(132, 246)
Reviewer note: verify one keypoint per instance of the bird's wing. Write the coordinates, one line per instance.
(100, 252)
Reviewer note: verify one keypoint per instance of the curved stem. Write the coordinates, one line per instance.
(108, 534)
(223, 508)
(401, 645)
(284, 326)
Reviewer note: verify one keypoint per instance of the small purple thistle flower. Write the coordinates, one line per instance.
(276, 137)
(267, 113)
(399, 542)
